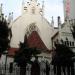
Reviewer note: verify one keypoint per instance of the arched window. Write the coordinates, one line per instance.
(32, 27)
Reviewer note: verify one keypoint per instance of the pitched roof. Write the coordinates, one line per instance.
(34, 40)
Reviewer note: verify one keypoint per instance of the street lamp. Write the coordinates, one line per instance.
(5, 53)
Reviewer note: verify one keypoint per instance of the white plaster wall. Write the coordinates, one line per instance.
(3, 60)
(20, 25)
(66, 32)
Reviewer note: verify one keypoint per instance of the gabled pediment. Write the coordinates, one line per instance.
(34, 40)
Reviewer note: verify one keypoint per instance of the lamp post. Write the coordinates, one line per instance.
(6, 53)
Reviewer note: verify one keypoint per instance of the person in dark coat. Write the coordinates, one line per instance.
(47, 68)
(35, 69)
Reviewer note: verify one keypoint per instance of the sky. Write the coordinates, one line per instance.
(52, 8)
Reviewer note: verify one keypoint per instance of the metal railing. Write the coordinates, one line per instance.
(43, 70)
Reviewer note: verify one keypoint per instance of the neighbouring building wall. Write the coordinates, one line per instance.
(65, 35)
